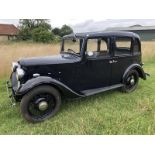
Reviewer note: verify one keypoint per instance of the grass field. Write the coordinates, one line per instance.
(111, 112)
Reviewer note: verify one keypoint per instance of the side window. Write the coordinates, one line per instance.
(104, 47)
(136, 47)
(123, 46)
(92, 45)
(97, 47)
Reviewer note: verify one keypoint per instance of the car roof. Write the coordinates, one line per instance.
(103, 34)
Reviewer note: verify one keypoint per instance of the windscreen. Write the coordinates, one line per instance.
(72, 45)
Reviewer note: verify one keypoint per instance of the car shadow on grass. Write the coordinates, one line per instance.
(67, 103)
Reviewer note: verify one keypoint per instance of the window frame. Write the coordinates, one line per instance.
(115, 46)
(108, 47)
(81, 44)
(137, 41)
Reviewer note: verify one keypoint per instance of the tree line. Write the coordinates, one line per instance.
(40, 30)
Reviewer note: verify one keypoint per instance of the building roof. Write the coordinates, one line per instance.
(8, 29)
(102, 34)
(132, 28)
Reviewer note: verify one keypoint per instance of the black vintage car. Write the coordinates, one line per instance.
(89, 63)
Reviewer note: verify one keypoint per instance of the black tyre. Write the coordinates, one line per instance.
(131, 81)
(40, 103)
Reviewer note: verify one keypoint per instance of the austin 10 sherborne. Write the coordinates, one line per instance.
(88, 63)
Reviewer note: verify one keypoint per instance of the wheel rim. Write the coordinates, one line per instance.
(131, 81)
(41, 106)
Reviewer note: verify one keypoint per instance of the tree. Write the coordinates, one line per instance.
(34, 23)
(44, 23)
(25, 28)
(24, 34)
(65, 30)
(56, 31)
(26, 23)
(40, 30)
(42, 35)
(30, 27)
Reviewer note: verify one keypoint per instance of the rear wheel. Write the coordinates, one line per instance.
(131, 81)
(40, 103)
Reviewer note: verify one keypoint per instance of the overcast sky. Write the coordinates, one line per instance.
(85, 25)
(82, 15)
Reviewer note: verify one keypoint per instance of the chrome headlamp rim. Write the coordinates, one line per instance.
(18, 70)
(14, 66)
(19, 73)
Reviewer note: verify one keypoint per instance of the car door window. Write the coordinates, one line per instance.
(123, 46)
(92, 45)
(97, 47)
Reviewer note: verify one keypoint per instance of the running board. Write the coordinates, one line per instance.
(100, 90)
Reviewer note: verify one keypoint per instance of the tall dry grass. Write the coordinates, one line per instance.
(148, 50)
(10, 52)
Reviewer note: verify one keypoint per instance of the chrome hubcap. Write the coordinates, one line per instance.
(43, 105)
(132, 81)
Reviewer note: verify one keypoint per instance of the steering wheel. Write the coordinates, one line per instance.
(72, 51)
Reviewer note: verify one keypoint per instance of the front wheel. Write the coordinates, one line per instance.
(131, 81)
(40, 103)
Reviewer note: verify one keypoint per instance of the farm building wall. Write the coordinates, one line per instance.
(146, 35)
(6, 38)
(3, 38)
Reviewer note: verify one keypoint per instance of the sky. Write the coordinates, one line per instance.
(82, 15)
(92, 25)
(87, 25)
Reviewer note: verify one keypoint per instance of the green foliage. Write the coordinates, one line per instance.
(34, 23)
(39, 30)
(56, 31)
(24, 34)
(57, 38)
(65, 30)
(44, 23)
(42, 35)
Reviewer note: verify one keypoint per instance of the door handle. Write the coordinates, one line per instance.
(113, 61)
(110, 61)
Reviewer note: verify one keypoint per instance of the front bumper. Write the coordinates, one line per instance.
(12, 89)
(10, 93)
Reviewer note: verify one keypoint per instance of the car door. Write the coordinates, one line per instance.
(96, 69)
(121, 59)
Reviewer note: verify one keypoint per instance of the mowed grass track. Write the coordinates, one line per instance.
(111, 112)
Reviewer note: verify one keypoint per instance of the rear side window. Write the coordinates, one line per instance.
(123, 46)
(136, 47)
